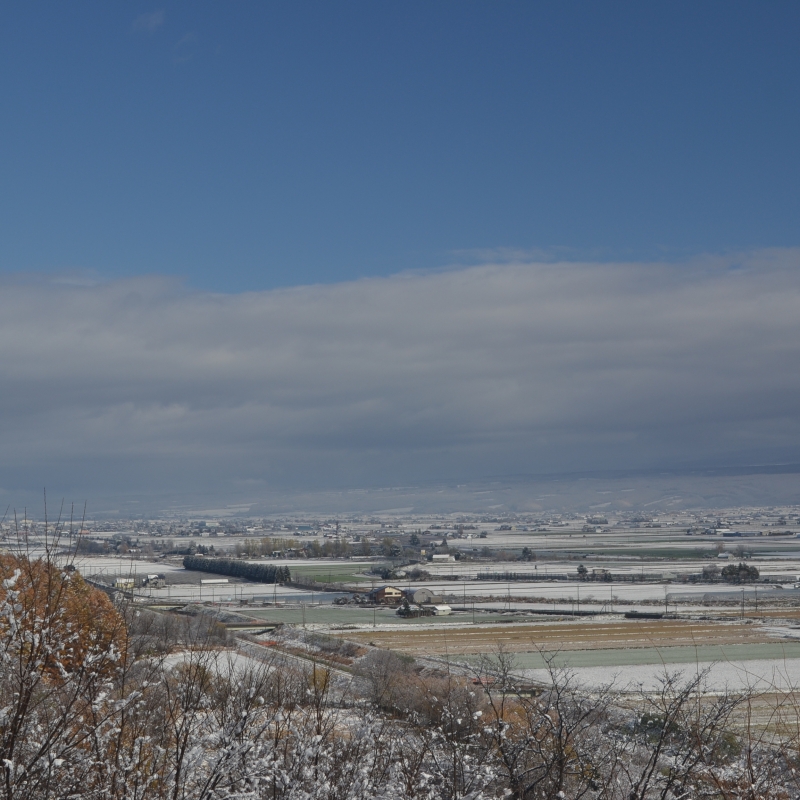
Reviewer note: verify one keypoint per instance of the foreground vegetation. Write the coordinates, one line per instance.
(99, 701)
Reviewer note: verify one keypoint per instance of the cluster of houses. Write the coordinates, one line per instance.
(155, 581)
(410, 602)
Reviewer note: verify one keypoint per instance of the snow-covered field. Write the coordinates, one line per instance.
(112, 566)
(230, 593)
(760, 675)
(567, 591)
(109, 568)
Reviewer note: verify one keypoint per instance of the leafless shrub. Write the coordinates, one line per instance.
(387, 677)
(150, 707)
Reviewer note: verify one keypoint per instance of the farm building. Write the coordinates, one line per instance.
(410, 610)
(389, 595)
(421, 596)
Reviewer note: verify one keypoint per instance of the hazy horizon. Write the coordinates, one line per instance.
(654, 492)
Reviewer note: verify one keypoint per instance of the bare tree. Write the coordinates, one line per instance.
(550, 745)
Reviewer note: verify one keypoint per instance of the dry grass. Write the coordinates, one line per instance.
(564, 636)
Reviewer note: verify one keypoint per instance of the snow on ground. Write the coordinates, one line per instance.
(759, 675)
(114, 566)
(232, 593)
(223, 662)
(595, 592)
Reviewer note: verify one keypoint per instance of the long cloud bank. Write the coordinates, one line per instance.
(497, 369)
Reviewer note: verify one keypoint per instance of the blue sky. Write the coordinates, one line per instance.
(245, 146)
(254, 247)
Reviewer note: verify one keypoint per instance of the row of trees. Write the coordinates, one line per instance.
(98, 701)
(731, 573)
(264, 573)
(266, 546)
(739, 573)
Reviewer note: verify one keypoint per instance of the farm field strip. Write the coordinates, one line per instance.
(326, 615)
(701, 654)
(570, 636)
(587, 592)
(733, 669)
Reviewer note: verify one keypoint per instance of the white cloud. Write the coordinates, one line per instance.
(150, 22)
(495, 369)
(184, 49)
